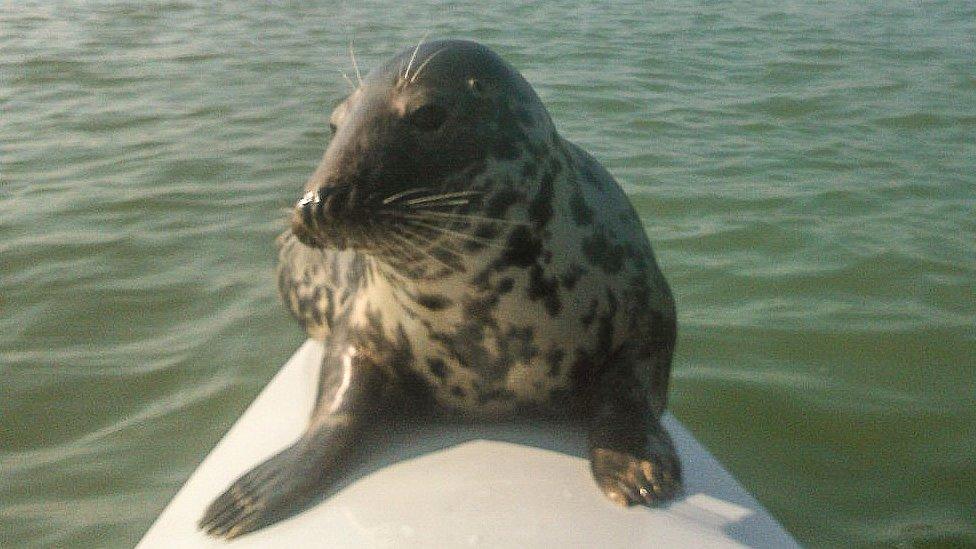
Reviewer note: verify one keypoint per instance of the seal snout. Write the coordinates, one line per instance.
(319, 215)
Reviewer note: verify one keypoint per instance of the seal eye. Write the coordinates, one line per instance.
(477, 86)
(332, 127)
(428, 118)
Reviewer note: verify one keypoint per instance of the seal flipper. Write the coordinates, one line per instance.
(267, 493)
(350, 392)
(647, 476)
(631, 455)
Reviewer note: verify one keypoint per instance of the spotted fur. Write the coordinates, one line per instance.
(528, 287)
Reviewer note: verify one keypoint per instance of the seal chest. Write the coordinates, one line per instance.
(459, 257)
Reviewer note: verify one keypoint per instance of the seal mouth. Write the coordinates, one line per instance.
(406, 227)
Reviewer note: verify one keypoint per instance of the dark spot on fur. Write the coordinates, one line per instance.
(473, 245)
(604, 335)
(540, 208)
(375, 319)
(572, 276)
(590, 315)
(357, 267)
(482, 280)
(544, 287)
(583, 371)
(407, 310)
(522, 249)
(612, 302)
(554, 358)
(434, 302)
(437, 367)
(447, 257)
(479, 310)
(487, 231)
(505, 285)
(518, 343)
(500, 202)
(457, 391)
(603, 253)
(582, 213)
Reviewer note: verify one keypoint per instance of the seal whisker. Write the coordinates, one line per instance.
(401, 235)
(443, 242)
(384, 248)
(440, 197)
(427, 214)
(407, 192)
(381, 269)
(406, 73)
(438, 225)
(432, 200)
(435, 243)
(430, 57)
(352, 55)
(458, 234)
(349, 81)
(442, 202)
(408, 244)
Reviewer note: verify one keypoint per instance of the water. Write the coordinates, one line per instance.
(805, 171)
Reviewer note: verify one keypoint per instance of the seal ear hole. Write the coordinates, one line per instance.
(428, 118)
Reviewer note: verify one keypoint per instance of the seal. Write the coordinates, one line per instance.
(459, 258)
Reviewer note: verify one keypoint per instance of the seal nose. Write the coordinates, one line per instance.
(320, 212)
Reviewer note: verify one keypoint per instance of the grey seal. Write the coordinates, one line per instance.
(459, 258)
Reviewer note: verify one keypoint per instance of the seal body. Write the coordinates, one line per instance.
(458, 257)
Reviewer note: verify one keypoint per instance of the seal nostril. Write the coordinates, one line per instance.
(301, 225)
(306, 207)
(310, 196)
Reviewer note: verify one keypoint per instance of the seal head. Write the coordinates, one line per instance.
(416, 131)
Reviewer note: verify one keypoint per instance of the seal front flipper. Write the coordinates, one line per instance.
(265, 494)
(631, 455)
(638, 476)
(350, 394)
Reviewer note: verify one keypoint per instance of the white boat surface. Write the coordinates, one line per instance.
(523, 484)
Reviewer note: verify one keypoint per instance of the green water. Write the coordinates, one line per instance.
(805, 170)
